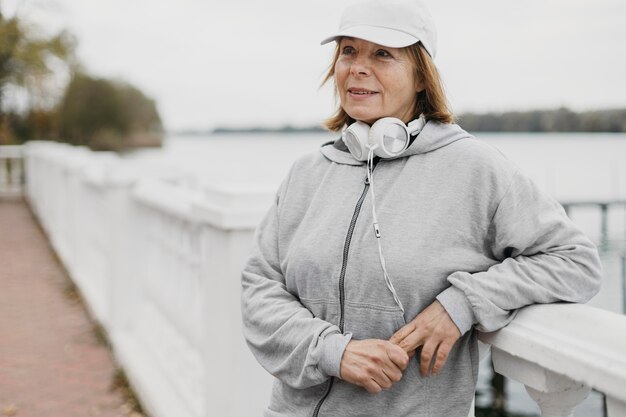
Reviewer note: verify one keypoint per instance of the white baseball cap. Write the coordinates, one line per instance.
(392, 23)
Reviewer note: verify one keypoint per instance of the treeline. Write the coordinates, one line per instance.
(287, 129)
(559, 120)
(99, 113)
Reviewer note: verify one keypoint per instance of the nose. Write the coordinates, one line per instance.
(360, 66)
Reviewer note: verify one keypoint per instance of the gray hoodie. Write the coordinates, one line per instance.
(459, 223)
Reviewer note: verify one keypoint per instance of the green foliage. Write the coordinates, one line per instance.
(34, 124)
(107, 115)
(26, 62)
(25, 57)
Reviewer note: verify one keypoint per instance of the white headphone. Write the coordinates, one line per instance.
(387, 137)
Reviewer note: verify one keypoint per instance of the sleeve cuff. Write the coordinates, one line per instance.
(458, 307)
(332, 352)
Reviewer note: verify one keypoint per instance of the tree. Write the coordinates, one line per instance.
(26, 62)
(107, 115)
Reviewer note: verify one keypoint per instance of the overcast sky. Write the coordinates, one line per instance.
(246, 62)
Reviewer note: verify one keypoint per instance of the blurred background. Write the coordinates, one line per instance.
(227, 94)
(241, 63)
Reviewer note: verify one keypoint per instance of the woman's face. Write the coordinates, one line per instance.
(375, 81)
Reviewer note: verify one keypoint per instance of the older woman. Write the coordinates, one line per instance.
(387, 248)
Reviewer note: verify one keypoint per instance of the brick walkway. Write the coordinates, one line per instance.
(52, 363)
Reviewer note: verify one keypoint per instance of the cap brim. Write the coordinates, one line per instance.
(379, 35)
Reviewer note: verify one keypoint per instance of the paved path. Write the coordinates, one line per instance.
(51, 361)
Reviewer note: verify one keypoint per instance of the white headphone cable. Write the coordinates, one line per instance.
(370, 179)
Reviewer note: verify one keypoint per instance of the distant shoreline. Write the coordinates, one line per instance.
(534, 121)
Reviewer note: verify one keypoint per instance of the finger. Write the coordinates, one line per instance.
(402, 332)
(372, 386)
(412, 340)
(394, 374)
(441, 356)
(398, 357)
(373, 371)
(428, 351)
(382, 379)
(411, 354)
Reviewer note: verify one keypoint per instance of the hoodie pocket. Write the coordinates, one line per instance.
(367, 321)
(323, 309)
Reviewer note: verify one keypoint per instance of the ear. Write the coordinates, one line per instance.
(419, 86)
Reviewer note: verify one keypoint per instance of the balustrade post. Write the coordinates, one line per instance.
(17, 175)
(615, 407)
(11, 183)
(559, 403)
(555, 394)
(624, 283)
(4, 168)
(604, 209)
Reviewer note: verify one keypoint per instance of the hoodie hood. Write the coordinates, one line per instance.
(433, 136)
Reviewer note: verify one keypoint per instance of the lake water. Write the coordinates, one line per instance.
(566, 165)
(579, 166)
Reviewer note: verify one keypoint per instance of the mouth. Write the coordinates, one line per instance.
(361, 91)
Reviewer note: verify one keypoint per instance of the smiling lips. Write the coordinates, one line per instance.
(361, 92)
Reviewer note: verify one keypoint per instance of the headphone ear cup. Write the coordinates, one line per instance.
(390, 135)
(356, 138)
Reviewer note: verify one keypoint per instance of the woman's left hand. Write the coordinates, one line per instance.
(433, 329)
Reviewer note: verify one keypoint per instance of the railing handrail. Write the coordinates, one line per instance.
(567, 339)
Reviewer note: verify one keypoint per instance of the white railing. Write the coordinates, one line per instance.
(11, 171)
(158, 264)
(560, 352)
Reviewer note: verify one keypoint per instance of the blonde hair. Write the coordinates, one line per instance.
(431, 101)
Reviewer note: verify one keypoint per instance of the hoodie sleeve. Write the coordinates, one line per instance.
(543, 257)
(284, 336)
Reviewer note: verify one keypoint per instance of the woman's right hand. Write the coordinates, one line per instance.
(373, 364)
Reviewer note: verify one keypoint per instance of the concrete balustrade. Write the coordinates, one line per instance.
(159, 263)
(561, 351)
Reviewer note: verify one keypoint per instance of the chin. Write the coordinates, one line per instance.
(364, 117)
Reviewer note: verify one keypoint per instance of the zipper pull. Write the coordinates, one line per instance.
(367, 180)
(376, 230)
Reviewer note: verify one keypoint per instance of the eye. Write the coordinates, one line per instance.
(383, 53)
(347, 50)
